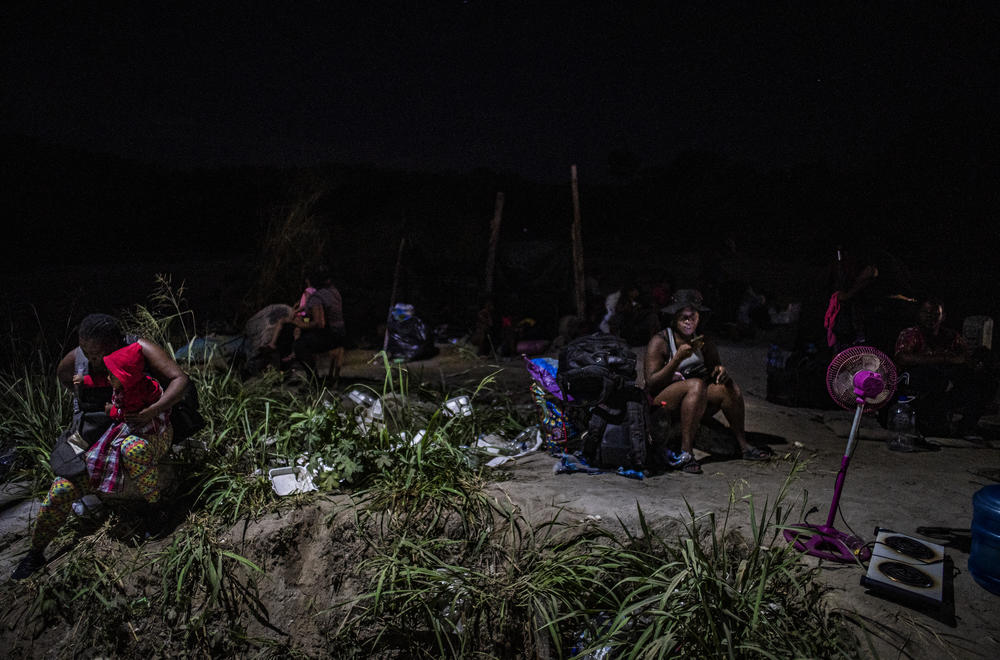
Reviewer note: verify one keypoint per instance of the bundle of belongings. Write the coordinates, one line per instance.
(590, 405)
(409, 337)
(557, 430)
(597, 374)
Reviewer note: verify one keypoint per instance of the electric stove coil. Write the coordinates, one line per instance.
(906, 568)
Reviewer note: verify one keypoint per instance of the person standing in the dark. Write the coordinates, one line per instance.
(322, 327)
(845, 316)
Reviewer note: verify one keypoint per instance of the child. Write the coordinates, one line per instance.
(132, 389)
(133, 392)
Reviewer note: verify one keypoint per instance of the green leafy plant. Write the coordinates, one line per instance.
(34, 410)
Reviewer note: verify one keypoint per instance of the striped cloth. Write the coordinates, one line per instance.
(104, 457)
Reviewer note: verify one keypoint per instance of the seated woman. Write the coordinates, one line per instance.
(264, 338)
(953, 385)
(684, 374)
(322, 327)
(139, 452)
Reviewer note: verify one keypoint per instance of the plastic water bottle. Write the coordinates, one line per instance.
(631, 474)
(903, 424)
(984, 554)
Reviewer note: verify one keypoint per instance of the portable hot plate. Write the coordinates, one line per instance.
(907, 568)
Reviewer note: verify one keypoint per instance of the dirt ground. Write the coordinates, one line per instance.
(307, 553)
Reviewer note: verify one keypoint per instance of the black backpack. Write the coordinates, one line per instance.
(593, 367)
(617, 434)
(598, 371)
(185, 416)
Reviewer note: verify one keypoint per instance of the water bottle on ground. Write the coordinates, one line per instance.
(631, 474)
(903, 424)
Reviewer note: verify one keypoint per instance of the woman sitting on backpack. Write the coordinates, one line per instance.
(685, 375)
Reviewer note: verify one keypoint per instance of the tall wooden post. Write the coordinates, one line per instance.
(494, 237)
(581, 299)
(395, 286)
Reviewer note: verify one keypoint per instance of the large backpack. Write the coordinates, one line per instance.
(617, 433)
(593, 367)
(598, 372)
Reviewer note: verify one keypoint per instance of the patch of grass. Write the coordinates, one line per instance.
(223, 465)
(514, 589)
(166, 319)
(433, 485)
(200, 576)
(714, 592)
(34, 410)
(89, 588)
(515, 592)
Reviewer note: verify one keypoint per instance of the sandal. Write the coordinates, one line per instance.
(691, 467)
(757, 454)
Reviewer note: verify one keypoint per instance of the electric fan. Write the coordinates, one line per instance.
(862, 378)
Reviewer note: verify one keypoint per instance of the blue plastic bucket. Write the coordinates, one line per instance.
(984, 554)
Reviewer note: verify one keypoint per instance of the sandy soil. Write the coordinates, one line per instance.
(307, 550)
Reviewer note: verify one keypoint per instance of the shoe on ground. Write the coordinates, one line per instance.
(686, 463)
(691, 467)
(678, 459)
(757, 454)
(27, 567)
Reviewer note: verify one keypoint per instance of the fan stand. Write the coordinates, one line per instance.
(826, 541)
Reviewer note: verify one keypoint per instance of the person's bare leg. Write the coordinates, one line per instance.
(692, 409)
(729, 399)
(689, 398)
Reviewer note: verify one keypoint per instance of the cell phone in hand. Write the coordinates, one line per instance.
(697, 342)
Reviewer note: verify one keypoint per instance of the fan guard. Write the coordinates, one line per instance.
(861, 374)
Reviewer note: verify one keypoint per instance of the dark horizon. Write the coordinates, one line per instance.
(509, 87)
(174, 132)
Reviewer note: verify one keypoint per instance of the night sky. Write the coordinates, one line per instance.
(525, 87)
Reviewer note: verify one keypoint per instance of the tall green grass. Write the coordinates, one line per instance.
(711, 591)
(513, 591)
(696, 588)
(450, 571)
(34, 409)
(200, 576)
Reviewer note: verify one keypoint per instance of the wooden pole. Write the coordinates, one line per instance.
(494, 236)
(581, 300)
(392, 296)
